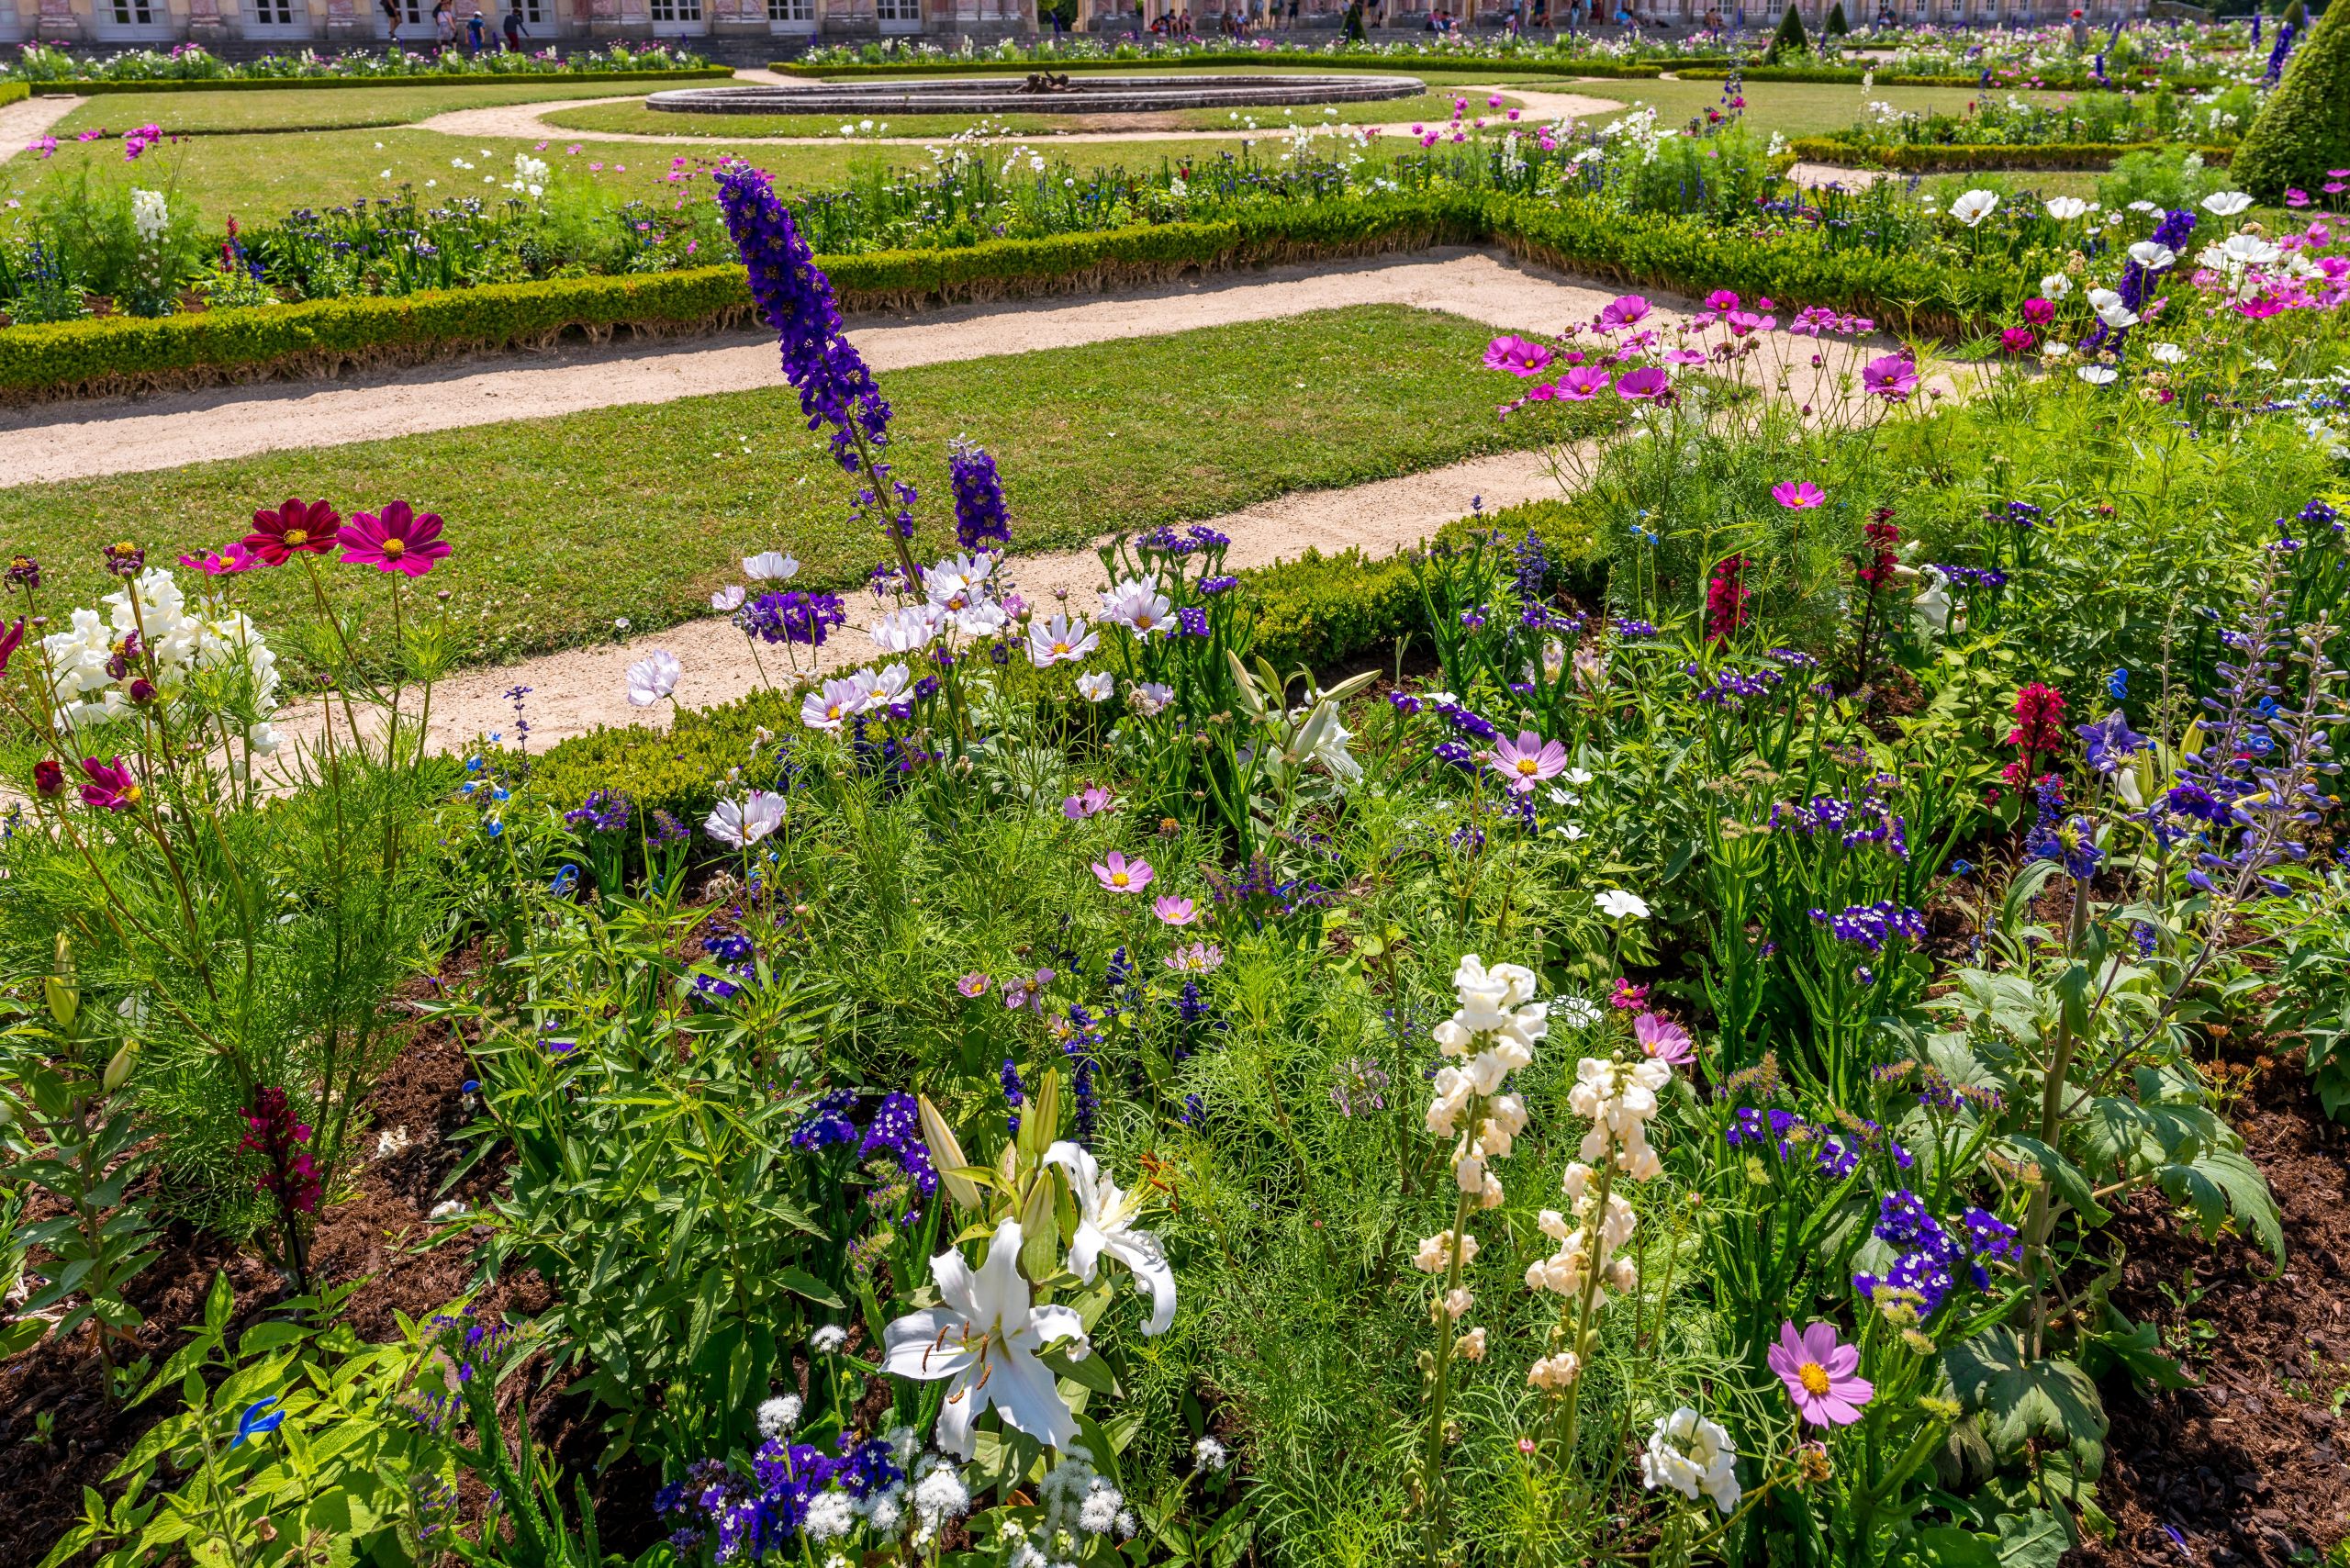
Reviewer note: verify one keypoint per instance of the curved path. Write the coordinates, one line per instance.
(25, 119)
(527, 121)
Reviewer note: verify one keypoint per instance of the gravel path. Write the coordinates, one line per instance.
(45, 442)
(23, 121)
(528, 120)
(1815, 175)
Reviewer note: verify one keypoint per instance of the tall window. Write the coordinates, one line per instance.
(903, 11)
(274, 12)
(792, 10)
(133, 14)
(677, 10)
(533, 12)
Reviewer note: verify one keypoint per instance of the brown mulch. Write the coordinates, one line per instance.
(2249, 1465)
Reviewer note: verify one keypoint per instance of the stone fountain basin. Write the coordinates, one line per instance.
(1085, 95)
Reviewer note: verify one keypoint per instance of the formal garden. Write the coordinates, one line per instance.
(823, 936)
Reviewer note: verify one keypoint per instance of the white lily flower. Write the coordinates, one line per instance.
(1618, 905)
(984, 1336)
(1105, 1227)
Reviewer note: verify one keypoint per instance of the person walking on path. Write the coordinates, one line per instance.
(444, 25)
(392, 20)
(474, 29)
(514, 30)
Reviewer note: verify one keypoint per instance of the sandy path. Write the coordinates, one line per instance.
(1815, 175)
(528, 120)
(21, 121)
(46, 442)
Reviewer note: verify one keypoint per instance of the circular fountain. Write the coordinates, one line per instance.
(1039, 91)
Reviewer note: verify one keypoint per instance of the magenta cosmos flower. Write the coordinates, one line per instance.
(1624, 311)
(1527, 760)
(218, 563)
(1580, 384)
(1174, 911)
(1662, 1038)
(1086, 802)
(1642, 385)
(394, 540)
(1798, 496)
(1721, 299)
(1120, 875)
(297, 528)
(1821, 1374)
(110, 787)
(1519, 356)
(1892, 378)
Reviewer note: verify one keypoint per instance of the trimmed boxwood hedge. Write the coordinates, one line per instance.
(1842, 76)
(10, 92)
(1948, 158)
(70, 89)
(132, 354)
(1222, 58)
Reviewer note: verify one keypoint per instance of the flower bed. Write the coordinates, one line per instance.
(1529, 64)
(1943, 158)
(153, 70)
(53, 88)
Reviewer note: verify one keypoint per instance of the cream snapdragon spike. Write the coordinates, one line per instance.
(1619, 1099)
(1491, 1034)
(99, 664)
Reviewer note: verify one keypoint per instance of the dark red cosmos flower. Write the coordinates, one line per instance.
(48, 778)
(394, 540)
(297, 528)
(111, 787)
(9, 642)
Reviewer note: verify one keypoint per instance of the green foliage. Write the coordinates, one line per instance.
(1789, 39)
(1515, 63)
(1836, 27)
(2304, 127)
(81, 87)
(13, 92)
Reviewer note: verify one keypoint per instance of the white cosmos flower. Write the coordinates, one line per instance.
(2097, 375)
(1137, 605)
(958, 582)
(1691, 1455)
(653, 677)
(907, 630)
(2110, 311)
(728, 600)
(1973, 206)
(2150, 256)
(886, 688)
(1105, 1227)
(2226, 204)
(1151, 698)
(770, 565)
(834, 705)
(1060, 640)
(1618, 905)
(2055, 286)
(2165, 353)
(2237, 253)
(1577, 776)
(1096, 686)
(2064, 209)
(741, 824)
(980, 618)
(984, 1336)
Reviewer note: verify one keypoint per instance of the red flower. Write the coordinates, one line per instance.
(1883, 535)
(395, 539)
(111, 787)
(304, 528)
(1725, 597)
(48, 778)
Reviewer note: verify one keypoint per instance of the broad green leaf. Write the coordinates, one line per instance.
(2020, 1398)
(2036, 1540)
(807, 1286)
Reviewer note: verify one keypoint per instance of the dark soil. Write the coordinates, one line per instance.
(2252, 1465)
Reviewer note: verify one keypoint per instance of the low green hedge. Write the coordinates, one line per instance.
(304, 84)
(1322, 611)
(1954, 157)
(1845, 75)
(10, 92)
(1535, 67)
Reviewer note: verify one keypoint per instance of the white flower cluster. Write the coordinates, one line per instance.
(1492, 1034)
(1692, 1455)
(149, 215)
(940, 1498)
(529, 175)
(1081, 1506)
(97, 663)
(1567, 1270)
(1619, 1101)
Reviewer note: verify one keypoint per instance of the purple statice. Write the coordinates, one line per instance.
(604, 811)
(1727, 689)
(792, 616)
(796, 300)
(1463, 721)
(1628, 627)
(1404, 702)
(1015, 1094)
(1473, 617)
(1872, 926)
(896, 1132)
(1929, 1253)
(980, 520)
(826, 1124)
(1937, 1092)
(1852, 822)
(1970, 576)
(666, 831)
(1191, 621)
(1210, 587)
(1989, 1236)
(1203, 538)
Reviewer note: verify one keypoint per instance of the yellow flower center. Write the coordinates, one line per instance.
(1529, 767)
(392, 547)
(1815, 1378)
(1118, 879)
(1061, 647)
(295, 538)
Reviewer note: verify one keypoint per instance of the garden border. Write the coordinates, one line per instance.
(1988, 157)
(73, 89)
(14, 92)
(1824, 76)
(1222, 59)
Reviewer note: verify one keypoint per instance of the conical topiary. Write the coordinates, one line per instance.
(1836, 27)
(2297, 16)
(1789, 38)
(2304, 128)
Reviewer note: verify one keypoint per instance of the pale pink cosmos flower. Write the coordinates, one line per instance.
(1662, 1038)
(973, 984)
(1797, 494)
(1821, 1375)
(1174, 911)
(1529, 760)
(1119, 875)
(1519, 356)
(1086, 802)
(1199, 959)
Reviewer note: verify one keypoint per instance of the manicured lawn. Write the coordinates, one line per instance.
(564, 525)
(1791, 108)
(295, 109)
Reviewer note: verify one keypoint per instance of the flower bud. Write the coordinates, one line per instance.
(118, 1070)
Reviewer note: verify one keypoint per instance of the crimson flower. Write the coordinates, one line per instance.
(1725, 599)
(297, 528)
(48, 778)
(9, 642)
(111, 787)
(395, 540)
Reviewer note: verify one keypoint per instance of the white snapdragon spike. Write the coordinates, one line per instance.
(1435, 1254)
(1137, 605)
(741, 824)
(833, 705)
(909, 630)
(984, 1337)
(770, 566)
(654, 676)
(1105, 1228)
(1553, 1374)
(1692, 1455)
(1492, 1034)
(1060, 641)
(886, 688)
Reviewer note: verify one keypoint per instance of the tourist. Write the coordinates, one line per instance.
(515, 32)
(475, 31)
(444, 25)
(392, 20)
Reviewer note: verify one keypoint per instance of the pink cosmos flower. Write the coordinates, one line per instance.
(395, 540)
(1662, 1038)
(2039, 311)
(1174, 911)
(218, 563)
(1821, 1374)
(110, 787)
(1721, 299)
(1120, 875)
(1086, 802)
(1684, 356)
(2295, 197)
(1623, 311)
(973, 984)
(1643, 386)
(2017, 339)
(1583, 382)
(1199, 959)
(1628, 997)
(1742, 323)
(1892, 378)
(1519, 356)
(1527, 760)
(1798, 496)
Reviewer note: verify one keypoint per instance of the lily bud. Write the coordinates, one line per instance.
(946, 1154)
(118, 1070)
